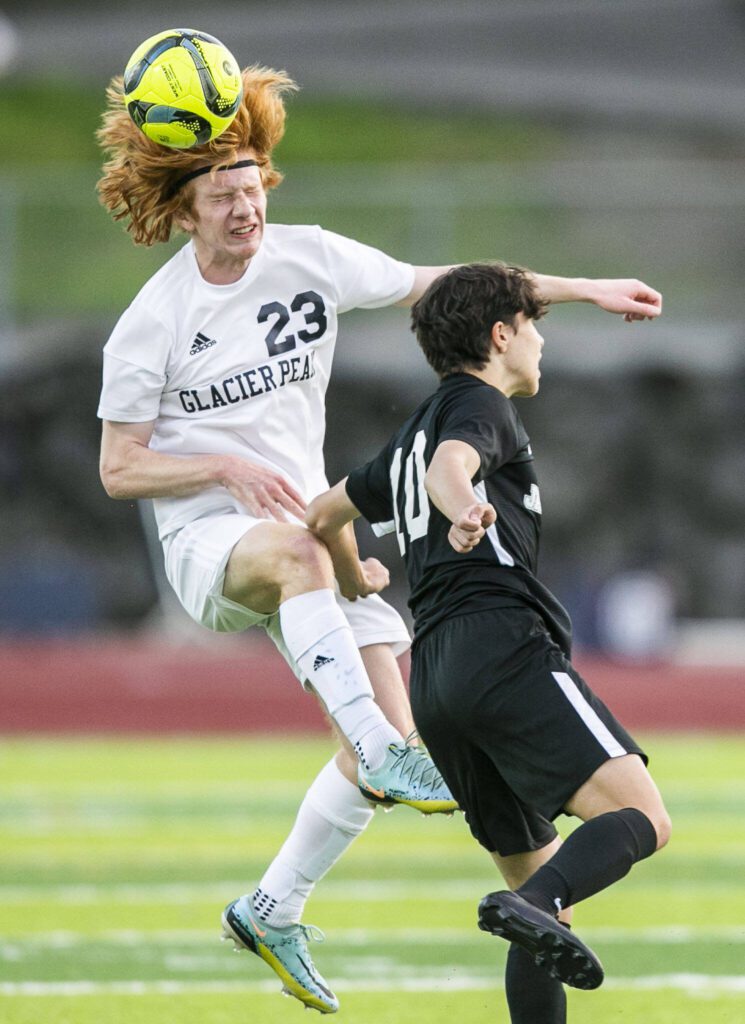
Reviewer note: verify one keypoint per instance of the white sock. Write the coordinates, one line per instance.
(322, 643)
(333, 813)
(372, 746)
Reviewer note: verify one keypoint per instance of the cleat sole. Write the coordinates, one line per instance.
(431, 806)
(554, 948)
(425, 807)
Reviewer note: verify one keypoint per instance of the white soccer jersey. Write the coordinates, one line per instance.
(243, 368)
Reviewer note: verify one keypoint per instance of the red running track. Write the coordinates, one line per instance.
(152, 686)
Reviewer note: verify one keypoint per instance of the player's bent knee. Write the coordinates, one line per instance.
(663, 826)
(659, 819)
(654, 808)
(302, 552)
(275, 561)
(297, 561)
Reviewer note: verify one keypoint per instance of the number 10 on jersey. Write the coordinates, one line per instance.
(416, 501)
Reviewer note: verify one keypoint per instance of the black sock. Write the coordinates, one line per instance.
(595, 855)
(533, 996)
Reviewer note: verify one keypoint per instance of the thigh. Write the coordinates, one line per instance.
(617, 783)
(503, 683)
(196, 557)
(446, 700)
(548, 730)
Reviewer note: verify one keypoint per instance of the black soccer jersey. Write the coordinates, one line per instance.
(500, 570)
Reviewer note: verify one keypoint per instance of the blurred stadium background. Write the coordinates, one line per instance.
(574, 137)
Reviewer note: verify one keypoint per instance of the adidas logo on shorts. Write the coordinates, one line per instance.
(200, 343)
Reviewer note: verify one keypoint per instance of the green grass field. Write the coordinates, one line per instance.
(116, 857)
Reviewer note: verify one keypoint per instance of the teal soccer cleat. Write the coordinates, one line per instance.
(407, 776)
(284, 949)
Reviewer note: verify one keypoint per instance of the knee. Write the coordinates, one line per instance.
(660, 823)
(663, 827)
(303, 555)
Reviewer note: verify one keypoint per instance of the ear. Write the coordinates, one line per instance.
(185, 220)
(500, 338)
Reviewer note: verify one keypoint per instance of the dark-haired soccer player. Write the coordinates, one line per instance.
(517, 733)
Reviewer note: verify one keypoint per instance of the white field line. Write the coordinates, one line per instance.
(703, 985)
(659, 935)
(180, 892)
(355, 891)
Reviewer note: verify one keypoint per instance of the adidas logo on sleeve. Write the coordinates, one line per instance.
(201, 343)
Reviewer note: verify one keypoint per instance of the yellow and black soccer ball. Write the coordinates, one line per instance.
(182, 88)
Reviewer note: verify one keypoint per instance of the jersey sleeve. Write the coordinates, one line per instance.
(369, 489)
(135, 361)
(130, 394)
(365, 278)
(488, 423)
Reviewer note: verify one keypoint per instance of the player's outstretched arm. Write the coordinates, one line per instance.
(627, 297)
(130, 469)
(329, 517)
(448, 484)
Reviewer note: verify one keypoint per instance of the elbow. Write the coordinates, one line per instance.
(329, 513)
(430, 484)
(320, 521)
(112, 478)
(314, 519)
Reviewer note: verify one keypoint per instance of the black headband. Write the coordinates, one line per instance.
(180, 182)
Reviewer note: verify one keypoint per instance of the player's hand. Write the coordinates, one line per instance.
(264, 493)
(633, 299)
(373, 577)
(470, 526)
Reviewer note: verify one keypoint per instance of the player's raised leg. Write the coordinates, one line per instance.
(281, 567)
(544, 952)
(624, 821)
(333, 813)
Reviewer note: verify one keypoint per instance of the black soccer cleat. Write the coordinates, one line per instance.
(553, 946)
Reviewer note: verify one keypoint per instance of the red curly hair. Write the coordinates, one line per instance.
(138, 175)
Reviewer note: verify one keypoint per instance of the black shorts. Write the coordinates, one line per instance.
(510, 723)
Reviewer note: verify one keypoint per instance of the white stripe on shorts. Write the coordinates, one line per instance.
(589, 716)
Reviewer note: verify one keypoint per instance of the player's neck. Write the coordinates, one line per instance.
(218, 268)
(495, 375)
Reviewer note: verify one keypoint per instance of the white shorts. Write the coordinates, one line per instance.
(195, 561)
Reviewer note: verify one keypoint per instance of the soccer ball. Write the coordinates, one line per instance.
(182, 88)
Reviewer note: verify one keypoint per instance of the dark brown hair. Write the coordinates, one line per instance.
(454, 318)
